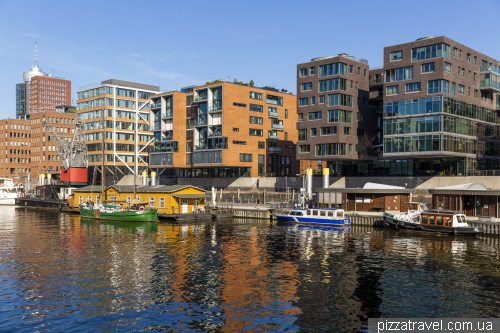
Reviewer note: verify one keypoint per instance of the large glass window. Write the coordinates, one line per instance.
(303, 101)
(340, 99)
(461, 89)
(438, 86)
(399, 74)
(413, 106)
(125, 92)
(333, 84)
(342, 116)
(426, 68)
(447, 67)
(331, 130)
(256, 108)
(392, 90)
(413, 87)
(306, 86)
(430, 52)
(331, 149)
(256, 95)
(302, 72)
(396, 55)
(314, 115)
(302, 134)
(333, 69)
(256, 120)
(256, 132)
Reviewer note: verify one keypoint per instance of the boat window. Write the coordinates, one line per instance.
(330, 214)
(439, 220)
(431, 219)
(425, 219)
(461, 219)
(339, 214)
(315, 213)
(292, 213)
(322, 213)
(448, 221)
(309, 212)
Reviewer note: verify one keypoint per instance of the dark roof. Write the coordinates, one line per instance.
(364, 190)
(466, 192)
(139, 188)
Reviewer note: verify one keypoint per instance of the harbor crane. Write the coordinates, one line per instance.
(72, 151)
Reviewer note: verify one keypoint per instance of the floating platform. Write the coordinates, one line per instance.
(41, 203)
(71, 210)
(186, 217)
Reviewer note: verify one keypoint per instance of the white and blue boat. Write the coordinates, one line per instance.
(318, 216)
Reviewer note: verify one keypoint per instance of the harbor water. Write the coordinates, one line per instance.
(60, 273)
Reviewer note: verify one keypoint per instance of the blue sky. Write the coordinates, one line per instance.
(191, 42)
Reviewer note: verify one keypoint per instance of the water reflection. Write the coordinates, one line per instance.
(58, 272)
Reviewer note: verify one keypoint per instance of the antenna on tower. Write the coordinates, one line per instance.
(36, 53)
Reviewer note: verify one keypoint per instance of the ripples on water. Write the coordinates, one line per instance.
(58, 273)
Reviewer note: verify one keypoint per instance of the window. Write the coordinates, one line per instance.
(256, 120)
(461, 89)
(314, 115)
(286, 113)
(313, 100)
(302, 72)
(261, 145)
(240, 105)
(162, 202)
(361, 132)
(331, 149)
(469, 75)
(350, 68)
(475, 93)
(275, 100)
(256, 108)
(304, 148)
(438, 86)
(300, 117)
(313, 131)
(398, 55)
(453, 87)
(413, 87)
(239, 142)
(303, 101)
(302, 135)
(475, 60)
(306, 86)
(312, 70)
(475, 77)
(347, 130)
(256, 132)
(392, 90)
(332, 84)
(331, 130)
(399, 74)
(447, 67)
(286, 136)
(256, 95)
(359, 71)
(430, 52)
(468, 58)
(245, 157)
(235, 129)
(340, 99)
(322, 99)
(333, 69)
(426, 68)
(463, 72)
(343, 116)
(350, 147)
(357, 87)
(455, 52)
(364, 70)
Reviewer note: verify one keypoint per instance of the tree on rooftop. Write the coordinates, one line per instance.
(251, 83)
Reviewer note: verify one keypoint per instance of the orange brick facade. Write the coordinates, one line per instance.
(15, 149)
(233, 114)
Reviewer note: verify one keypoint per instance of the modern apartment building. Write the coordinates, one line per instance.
(335, 120)
(40, 92)
(43, 152)
(15, 149)
(224, 130)
(441, 103)
(123, 108)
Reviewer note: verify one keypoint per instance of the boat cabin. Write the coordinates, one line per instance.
(325, 213)
(443, 219)
(415, 207)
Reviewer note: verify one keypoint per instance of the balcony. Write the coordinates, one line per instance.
(490, 83)
(376, 82)
(273, 137)
(279, 127)
(200, 122)
(168, 114)
(156, 128)
(273, 114)
(274, 150)
(215, 108)
(156, 105)
(201, 98)
(167, 138)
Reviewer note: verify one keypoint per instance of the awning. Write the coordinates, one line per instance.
(189, 196)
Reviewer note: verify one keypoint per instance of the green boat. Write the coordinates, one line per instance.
(126, 215)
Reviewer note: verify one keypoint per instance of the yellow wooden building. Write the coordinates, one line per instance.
(173, 199)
